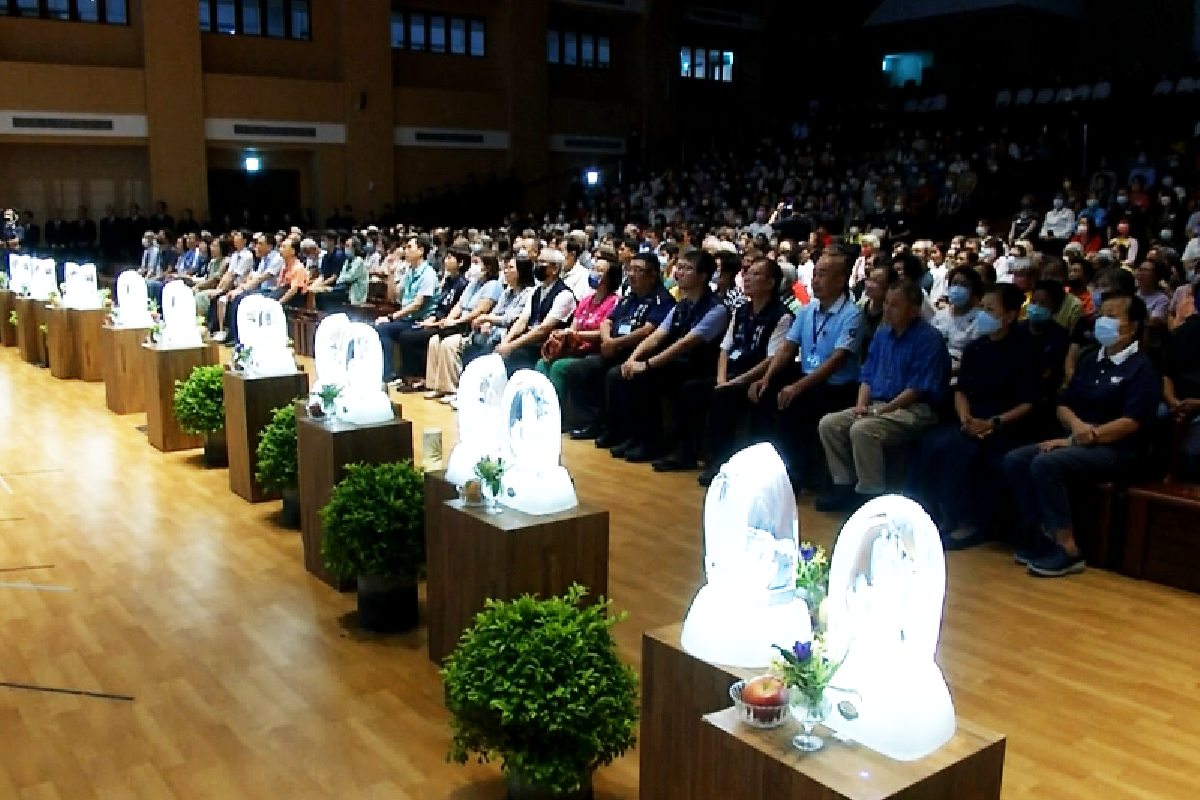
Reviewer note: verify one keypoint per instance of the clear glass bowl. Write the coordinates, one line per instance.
(762, 717)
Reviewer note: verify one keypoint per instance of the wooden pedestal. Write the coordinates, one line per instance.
(121, 361)
(8, 304)
(163, 366)
(692, 747)
(60, 340)
(249, 404)
(324, 449)
(88, 326)
(677, 691)
(31, 315)
(1162, 535)
(740, 763)
(474, 556)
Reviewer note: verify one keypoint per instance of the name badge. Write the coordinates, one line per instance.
(624, 328)
(734, 355)
(1115, 379)
(812, 361)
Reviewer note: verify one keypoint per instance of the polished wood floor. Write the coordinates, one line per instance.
(248, 683)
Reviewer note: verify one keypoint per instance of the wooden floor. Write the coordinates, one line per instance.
(249, 685)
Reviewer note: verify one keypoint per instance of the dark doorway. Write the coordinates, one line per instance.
(271, 192)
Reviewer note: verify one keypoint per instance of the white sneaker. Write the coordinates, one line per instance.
(220, 336)
(432, 395)
(451, 400)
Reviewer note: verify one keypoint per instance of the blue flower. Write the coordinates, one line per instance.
(802, 651)
(807, 551)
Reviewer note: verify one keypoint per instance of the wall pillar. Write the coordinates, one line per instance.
(522, 43)
(175, 105)
(367, 89)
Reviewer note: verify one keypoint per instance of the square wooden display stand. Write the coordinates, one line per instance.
(61, 341)
(740, 763)
(249, 404)
(31, 315)
(1161, 539)
(324, 448)
(163, 366)
(88, 325)
(692, 747)
(473, 556)
(8, 304)
(121, 361)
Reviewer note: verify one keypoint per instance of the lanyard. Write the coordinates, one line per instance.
(818, 331)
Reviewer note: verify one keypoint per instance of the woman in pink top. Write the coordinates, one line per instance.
(583, 336)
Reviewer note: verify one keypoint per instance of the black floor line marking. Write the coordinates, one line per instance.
(29, 687)
(24, 569)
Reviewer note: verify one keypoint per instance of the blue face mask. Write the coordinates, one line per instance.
(1036, 313)
(1096, 299)
(986, 324)
(959, 295)
(1108, 330)
(594, 280)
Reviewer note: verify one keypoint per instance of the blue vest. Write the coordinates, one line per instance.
(751, 335)
(540, 305)
(687, 315)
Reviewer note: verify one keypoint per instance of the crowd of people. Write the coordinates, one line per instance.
(854, 315)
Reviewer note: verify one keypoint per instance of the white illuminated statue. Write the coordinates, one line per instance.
(480, 419)
(133, 301)
(43, 280)
(327, 353)
(179, 327)
(262, 329)
(364, 400)
(535, 482)
(751, 548)
(20, 273)
(887, 582)
(81, 290)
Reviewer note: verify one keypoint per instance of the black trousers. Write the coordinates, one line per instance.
(635, 404)
(523, 358)
(727, 409)
(793, 431)
(585, 402)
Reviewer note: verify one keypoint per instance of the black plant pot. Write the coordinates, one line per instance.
(519, 789)
(291, 508)
(386, 604)
(216, 454)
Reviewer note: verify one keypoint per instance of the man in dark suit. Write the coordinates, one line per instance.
(84, 230)
(135, 228)
(161, 220)
(58, 232)
(187, 224)
(112, 232)
(33, 233)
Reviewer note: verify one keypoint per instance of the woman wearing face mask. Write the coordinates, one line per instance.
(958, 465)
(443, 357)
(1123, 239)
(956, 322)
(583, 336)
(1106, 412)
(1086, 237)
(1050, 342)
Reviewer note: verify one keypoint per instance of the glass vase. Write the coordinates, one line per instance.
(491, 501)
(809, 712)
(812, 597)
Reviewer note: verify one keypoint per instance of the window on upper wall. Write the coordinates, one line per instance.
(578, 49)
(112, 12)
(279, 19)
(705, 64)
(437, 33)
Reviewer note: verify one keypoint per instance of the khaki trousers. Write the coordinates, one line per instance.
(854, 447)
(443, 363)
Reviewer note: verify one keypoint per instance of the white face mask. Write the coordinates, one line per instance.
(475, 272)
(987, 253)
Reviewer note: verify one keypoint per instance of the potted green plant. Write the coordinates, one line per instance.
(277, 461)
(539, 685)
(374, 531)
(327, 407)
(200, 410)
(484, 489)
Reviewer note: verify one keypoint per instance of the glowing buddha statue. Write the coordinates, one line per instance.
(42, 280)
(81, 290)
(133, 302)
(327, 353)
(887, 582)
(262, 328)
(535, 483)
(751, 548)
(179, 316)
(480, 419)
(364, 400)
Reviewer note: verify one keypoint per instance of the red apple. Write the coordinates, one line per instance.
(765, 690)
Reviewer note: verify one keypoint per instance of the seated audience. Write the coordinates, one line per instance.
(414, 343)
(1050, 343)
(683, 348)
(488, 330)
(814, 372)
(443, 360)
(293, 278)
(565, 347)
(902, 380)
(549, 308)
(956, 322)
(1111, 279)
(879, 279)
(1181, 383)
(1106, 409)
(958, 466)
(418, 288)
(635, 316)
(757, 329)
